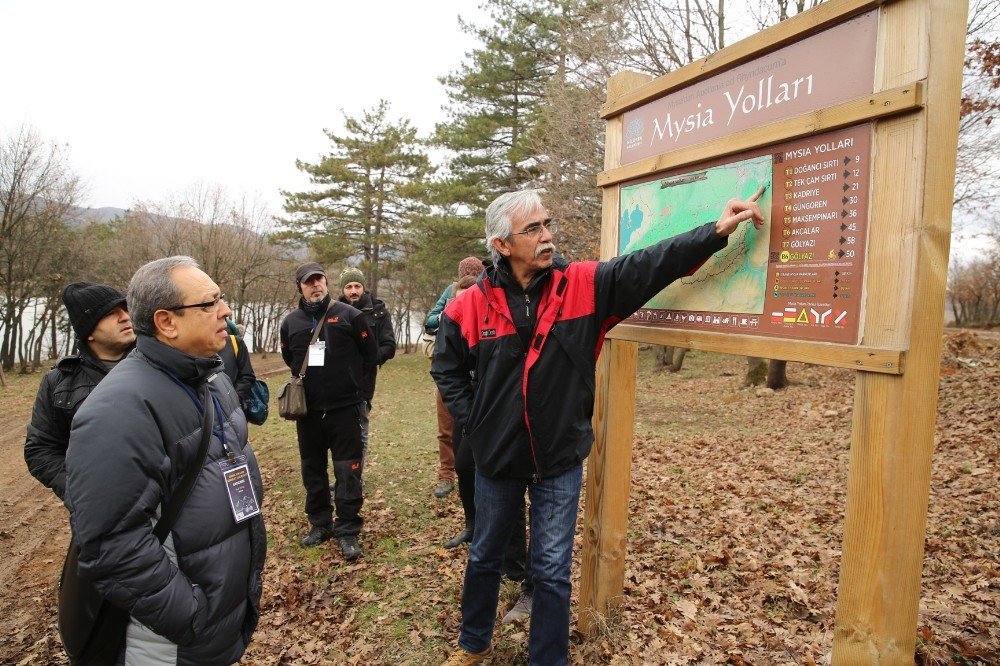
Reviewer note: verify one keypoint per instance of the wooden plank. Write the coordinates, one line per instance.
(617, 84)
(852, 357)
(794, 29)
(893, 431)
(895, 101)
(609, 480)
(609, 468)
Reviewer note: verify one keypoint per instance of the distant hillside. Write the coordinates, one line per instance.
(80, 216)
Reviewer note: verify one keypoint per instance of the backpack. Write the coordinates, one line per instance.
(255, 404)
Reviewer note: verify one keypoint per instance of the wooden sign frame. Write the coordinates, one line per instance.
(919, 58)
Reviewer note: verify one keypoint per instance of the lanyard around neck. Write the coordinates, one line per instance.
(218, 428)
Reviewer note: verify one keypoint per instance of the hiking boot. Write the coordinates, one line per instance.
(521, 611)
(317, 535)
(350, 547)
(465, 536)
(462, 657)
(444, 488)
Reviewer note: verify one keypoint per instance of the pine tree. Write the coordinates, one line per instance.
(371, 186)
(494, 98)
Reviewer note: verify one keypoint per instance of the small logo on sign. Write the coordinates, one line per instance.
(487, 333)
(633, 134)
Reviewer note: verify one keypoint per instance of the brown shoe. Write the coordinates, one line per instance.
(462, 657)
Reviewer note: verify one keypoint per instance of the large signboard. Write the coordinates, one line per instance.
(825, 69)
(800, 275)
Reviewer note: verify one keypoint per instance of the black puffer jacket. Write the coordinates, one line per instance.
(60, 394)
(132, 442)
(381, 324)
(528, 413)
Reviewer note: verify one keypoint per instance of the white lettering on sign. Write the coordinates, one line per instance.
(675, 128)
(767, 95)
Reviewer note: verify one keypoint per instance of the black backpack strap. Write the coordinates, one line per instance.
(180, 495)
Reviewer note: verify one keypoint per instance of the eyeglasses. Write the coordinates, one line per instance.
(535, 228)
(207, 306)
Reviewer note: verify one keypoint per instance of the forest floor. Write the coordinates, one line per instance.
(735, 526)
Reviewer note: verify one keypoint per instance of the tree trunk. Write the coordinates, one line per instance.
(756, 371)
(776, 378)
(666, 358)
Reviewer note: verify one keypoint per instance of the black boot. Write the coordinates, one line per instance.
(317, 535)
(465, 536)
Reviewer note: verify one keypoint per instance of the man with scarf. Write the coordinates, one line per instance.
(344, 353)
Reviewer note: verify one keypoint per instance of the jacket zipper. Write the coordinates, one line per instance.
(527, 423)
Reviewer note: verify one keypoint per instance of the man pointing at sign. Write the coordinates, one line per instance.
(529, 332)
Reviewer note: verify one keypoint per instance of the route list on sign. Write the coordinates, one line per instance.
(810, 286)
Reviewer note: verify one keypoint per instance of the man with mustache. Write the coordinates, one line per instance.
(344, 353)
(104, 335)
(529, 332)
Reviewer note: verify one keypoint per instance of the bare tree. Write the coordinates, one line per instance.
(974, 291)
(37, 191)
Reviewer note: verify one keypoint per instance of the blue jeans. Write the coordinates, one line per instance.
(554, 506)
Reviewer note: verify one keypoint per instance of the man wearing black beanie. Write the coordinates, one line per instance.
(104, 336)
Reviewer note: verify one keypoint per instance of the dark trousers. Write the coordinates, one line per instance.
(339, 433)
(515, 561)
(554, 506)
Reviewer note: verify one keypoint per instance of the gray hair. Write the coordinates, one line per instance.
(153, 288)
(501, 213)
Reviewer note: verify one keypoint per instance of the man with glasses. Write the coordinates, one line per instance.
(104, 335)
(343, 354)
(529, 332)
(194, 596)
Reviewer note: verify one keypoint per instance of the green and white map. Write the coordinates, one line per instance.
(735, 278)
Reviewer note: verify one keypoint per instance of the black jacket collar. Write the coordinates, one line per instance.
(310, 309)
(365, 303)
(192, 370)
(500, 274)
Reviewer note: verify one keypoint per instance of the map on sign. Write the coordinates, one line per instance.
(735, 278)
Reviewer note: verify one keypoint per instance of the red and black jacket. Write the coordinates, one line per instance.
(527, 413)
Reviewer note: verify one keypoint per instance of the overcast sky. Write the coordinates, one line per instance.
(152, 97)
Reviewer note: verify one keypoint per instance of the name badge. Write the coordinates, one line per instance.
(242, 498)
(317, 353)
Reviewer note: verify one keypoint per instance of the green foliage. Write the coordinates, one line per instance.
(495, 97)
(370, 187)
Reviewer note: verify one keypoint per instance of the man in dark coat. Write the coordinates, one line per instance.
(236, 360)
(193, 598)
(337, 363)
(352, 292)
(104, 335)
(530, 331)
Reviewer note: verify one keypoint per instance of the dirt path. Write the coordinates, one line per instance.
(34, 534)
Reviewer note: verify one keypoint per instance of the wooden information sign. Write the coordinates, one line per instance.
(831, 110)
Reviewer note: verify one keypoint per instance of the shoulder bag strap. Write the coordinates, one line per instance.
(170, 513)
(319, 325)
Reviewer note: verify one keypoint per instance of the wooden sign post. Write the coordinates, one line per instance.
(849, 112)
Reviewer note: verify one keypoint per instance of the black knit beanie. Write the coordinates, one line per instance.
(87, 303)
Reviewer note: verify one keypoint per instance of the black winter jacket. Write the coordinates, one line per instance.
(237, 365)
(60, 394)
(528, 412)
(381, 324)
(350, 354)
(132, 442)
